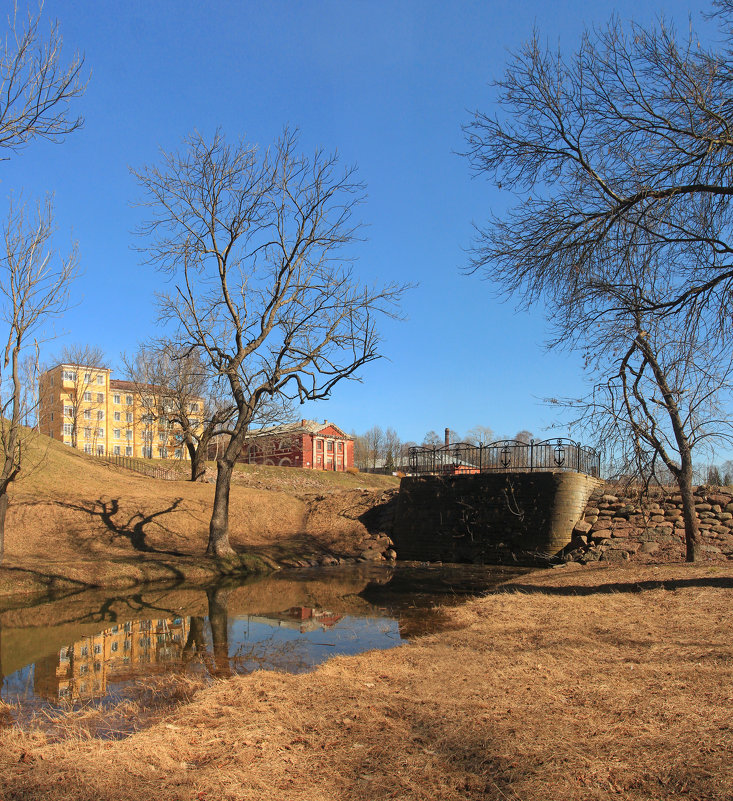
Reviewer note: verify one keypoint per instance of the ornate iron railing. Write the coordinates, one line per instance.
(508, 455)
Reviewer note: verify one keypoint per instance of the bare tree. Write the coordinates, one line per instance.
(620, 157)
(624, 144)
(374, 442)
(180, 398)
(262, 291)
(35, 88)
(392, 449)
(479, 434)
(86, 403)
(34, 287)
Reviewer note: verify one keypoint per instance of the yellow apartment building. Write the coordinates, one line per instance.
(85, 408)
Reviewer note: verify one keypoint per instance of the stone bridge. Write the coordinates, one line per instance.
(489, 518)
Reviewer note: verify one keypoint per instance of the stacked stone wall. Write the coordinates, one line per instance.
(619, 525)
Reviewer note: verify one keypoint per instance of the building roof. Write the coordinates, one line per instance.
(298, 427)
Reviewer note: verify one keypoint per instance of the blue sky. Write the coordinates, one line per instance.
(388, 85)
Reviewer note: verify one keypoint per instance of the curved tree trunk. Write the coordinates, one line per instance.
(218, 598)
(197, 456)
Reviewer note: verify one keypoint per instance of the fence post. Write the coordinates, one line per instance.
(531, 456)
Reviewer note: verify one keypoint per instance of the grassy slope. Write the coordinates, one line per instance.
(598, 683)
(74, 518)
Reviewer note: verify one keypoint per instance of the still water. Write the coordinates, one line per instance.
(94, 647)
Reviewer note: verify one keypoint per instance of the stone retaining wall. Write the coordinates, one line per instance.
(489, 518)
(617, 525)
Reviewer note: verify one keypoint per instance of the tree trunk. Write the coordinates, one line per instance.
(198, 459)
(3, 511)
(693, 541)
(219, 525)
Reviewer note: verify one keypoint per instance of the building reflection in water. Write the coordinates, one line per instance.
(119, 653)
(127, 651)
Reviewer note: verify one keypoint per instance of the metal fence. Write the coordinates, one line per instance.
(506, 456)
(140, 466)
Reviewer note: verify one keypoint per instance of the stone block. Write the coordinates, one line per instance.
(649, 547)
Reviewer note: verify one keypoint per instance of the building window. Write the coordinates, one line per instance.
(128, 451)
(128, 417)
(193, 407)
(329, 446)
(147, 452)
(87, 433)
(162, 436)
(69, 411)
(116, 450)
(100, 432)
(69, 375)
(52, 417)
(88, 449)
(128, 435)
(116, 399)
(100, 397)
(193, 422)
(340, 447)
(87, 414)
(114, 647)
(162, 453)
(128, 400)
(100, 415)
(118, 417)
(100, 450)
(116, 433)
(179, 453)
(87, 396)
(148, 418)
(68, 429)
(87, 378)
(100, 379)
(319, 445)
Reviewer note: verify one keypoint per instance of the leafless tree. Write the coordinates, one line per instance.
(85, 405)
(35, 87)
(660, 390)
(620, 158)
(624, 144)
(180, 399)
(262, 292)
(479, 434)
(34, 287)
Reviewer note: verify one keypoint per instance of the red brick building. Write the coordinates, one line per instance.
(307, 443)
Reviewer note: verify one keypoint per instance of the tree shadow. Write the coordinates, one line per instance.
(721, 582)
(133, 530)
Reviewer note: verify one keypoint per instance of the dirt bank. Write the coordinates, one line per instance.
(578, 683)
(76, 521)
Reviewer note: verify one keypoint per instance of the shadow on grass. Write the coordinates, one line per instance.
(721, 582)
(132, 530)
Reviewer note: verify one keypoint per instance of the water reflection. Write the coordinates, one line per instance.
(91, 645)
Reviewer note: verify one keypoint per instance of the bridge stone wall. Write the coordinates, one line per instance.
(490, 518)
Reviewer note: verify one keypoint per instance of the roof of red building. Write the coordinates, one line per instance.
(299, 427)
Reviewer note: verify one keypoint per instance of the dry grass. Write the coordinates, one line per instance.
(583, 685)
(73, 520)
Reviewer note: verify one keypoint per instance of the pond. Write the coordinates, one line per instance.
(94, 647)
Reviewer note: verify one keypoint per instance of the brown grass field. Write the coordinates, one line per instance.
(595, 683)
(73, 519)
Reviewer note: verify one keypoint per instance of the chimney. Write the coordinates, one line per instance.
(447, 437)
(303, 423)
